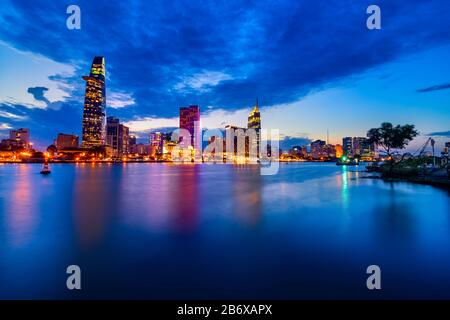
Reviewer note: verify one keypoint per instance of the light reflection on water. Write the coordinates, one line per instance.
(197, 231)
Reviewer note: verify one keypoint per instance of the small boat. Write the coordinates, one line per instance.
(344, 161)
(45, 169)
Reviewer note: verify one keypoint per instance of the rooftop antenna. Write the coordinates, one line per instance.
(328, 137)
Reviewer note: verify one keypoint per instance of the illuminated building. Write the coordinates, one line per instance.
(66, 141)
(297, 151)
(237, 144)
(22, 136)
(330, 151)
(117, 137)
(190, 121)
(318, 149)
(12, 145)
(156, 143)
(254, 122)
(339, 151)
(131, 143)
(362, 148)
(94, 106)
(347, 146)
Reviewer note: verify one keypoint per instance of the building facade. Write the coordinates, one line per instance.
(254, 122)
(21, 136)
(347, 146)
(66, 141)
(318, 149)
(156, 143)
(190, 121)
(117, 137)
(94, 112)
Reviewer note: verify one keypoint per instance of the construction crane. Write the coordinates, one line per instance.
(430, 141)
(425, 145)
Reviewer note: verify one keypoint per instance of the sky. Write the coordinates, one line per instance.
(313, 65)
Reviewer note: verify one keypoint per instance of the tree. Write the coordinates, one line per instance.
(391, 138)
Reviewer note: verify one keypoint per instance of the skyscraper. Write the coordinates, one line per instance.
(318, 149)
(254, 122)
(156, 142)
(347, 146)
(190, 121)
(117, 137)
(94, 106)
(362, 147)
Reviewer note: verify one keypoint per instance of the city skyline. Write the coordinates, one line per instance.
(150, 80)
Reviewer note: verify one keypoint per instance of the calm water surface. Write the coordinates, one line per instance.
(219, 231)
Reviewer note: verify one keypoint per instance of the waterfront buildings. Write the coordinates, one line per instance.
(117, 138)
(21, 136)
(254, 122)
(156, 143)
(339, 151)
(64, 141)
(94, 113)
(131, 143)
(237, 143)
(190, 121)
(12, 145)
(347, 146)
(318, 149)
(358, 147)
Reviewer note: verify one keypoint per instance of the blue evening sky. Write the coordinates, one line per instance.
(313, 65)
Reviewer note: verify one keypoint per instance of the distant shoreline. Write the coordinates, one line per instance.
(161, 161)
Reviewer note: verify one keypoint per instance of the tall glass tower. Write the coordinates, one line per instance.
(94, 114)
(254, 122)
(190, 121)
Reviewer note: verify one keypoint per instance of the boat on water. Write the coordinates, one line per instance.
(344, 161)
(45, 169)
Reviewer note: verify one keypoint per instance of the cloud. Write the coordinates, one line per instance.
(12, 116)
(435, 88)
(440, 134)
(5, 126)
(45, 124)
(38, 93)
(148, 123)
(41, 72)
(231, 53)
(118, 100)
(203, 81)
(288, 142)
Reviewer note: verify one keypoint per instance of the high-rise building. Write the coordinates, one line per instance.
(131, 142)
(296, 151)
(21, 135)
(94, 105)
(330, 151)
(318, 149)
(237, 143)
(254, 122)
(156, 143)
(190, 121)
(117, 137)
(362, 147)
(347, 146)
(124, 133)
(66, 141)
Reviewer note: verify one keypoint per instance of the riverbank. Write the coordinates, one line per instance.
(439, 178)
